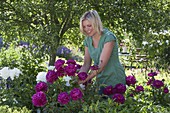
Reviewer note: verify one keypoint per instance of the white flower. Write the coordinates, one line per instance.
(51, 67)
(41, 77)
(82, 86)
(14, 72)
(67, 79)
(144, 43)
(167, 41)
(5, 73)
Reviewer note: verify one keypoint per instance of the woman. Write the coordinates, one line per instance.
(101, 46)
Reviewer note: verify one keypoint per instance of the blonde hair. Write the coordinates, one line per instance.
(94, 17)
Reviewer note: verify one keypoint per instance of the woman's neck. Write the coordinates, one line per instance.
(96, 35)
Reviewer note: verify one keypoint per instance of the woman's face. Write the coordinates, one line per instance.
(88, 28)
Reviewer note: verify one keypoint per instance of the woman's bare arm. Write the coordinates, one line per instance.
(87, 61)
(104, 58)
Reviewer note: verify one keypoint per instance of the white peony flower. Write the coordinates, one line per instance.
(14, 72)
(5, 73)
(51, 67)
(67, 79)
(41, 77)
(82, 86)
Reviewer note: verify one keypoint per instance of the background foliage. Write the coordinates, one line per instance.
(47, 24)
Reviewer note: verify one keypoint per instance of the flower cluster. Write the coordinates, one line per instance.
(6, 73)
(62, 72)
(63, 51)
(156, 84)
(157, 87)
(116, 92)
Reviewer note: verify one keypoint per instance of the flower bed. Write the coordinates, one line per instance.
(59, 91)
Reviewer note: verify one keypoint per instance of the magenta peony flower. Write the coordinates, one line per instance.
(76, 94)
(71, 61)
(63, 98)
(166, 90)
(139, 88)
(152, 74)
(108, 90)
(41, 86)
(119, 98)
(82, 75)
(78, 66)
(130, 80)
(157, 84)
(94, 67)
(131, 95)
(150, 81)
(120, 88)
(59, 63)
(39, 99)
(60, 72)
(70, 70)
(51, 76)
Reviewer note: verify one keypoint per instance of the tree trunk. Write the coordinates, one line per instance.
(52, 58)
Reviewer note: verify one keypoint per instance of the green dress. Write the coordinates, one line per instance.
(113, 72)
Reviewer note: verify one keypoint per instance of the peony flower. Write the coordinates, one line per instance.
(130, 80)
(63, 98)
(152, 74)
(82, 86)
(157, 84)
(94, 67)
(59, 63)
(150, 81)
(70, 70)
(39, 99)
(166, 90)
(78, 66)
(51, 67)
(71, 61)
(120, 88)
(41, 77)
(108, 90)
(51, 76)
(5, 73)
(41, 86)
(139, 88)
(76, 94)
(60, 72)
(82, 75)
(14, 72)
(119, 98)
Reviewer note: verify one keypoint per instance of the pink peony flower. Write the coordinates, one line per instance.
(94, 67)
(71, 61)
(120, 88)
(51, 76)
(82, 75)
(157, 84)
(119, 98)
(166, 90)
(76, 94)
(139, 88)
(108, 90)
(63, 98)
(39, 99)
(130, 80)
(41, 86)
(70, 70)
(59, 63)
(152, 74)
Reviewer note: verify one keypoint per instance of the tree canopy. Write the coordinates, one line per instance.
(47, 24)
